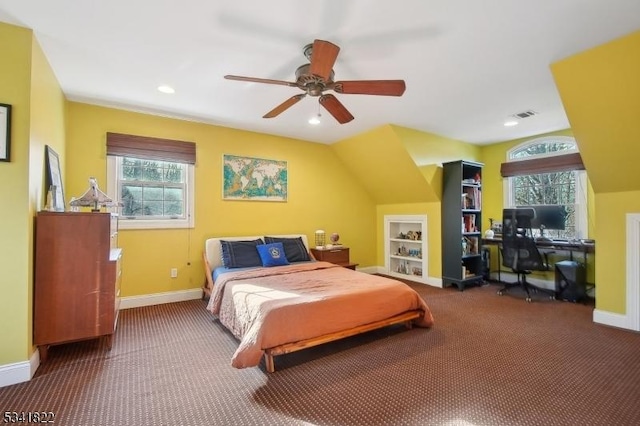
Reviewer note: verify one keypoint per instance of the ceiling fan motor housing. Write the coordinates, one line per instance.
(312, 84)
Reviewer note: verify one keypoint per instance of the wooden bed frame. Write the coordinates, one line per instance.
(269, 353)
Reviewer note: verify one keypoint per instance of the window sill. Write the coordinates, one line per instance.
(154, 224)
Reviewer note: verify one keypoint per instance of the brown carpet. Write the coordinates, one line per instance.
(489, 360)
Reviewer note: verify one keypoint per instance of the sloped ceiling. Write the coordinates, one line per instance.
(401, 165)
(428, 148)
(381, 163)
(600, 90)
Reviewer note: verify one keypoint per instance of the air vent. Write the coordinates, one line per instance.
(525, 114)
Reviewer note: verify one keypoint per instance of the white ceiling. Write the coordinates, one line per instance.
(468, 64)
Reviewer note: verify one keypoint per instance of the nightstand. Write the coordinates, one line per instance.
(336, 254)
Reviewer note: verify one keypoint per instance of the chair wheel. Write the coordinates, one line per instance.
(499, 292)
(528, 299)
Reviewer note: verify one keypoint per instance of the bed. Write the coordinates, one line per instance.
(293, 305)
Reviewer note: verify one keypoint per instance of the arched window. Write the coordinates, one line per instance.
(559, 196)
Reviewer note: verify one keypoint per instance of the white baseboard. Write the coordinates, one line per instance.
(613, 319)
(11, 374)
(432, 281)
(368, 269)
(160, 298)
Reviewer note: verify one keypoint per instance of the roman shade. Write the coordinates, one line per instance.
(558, 163)
(122, 145)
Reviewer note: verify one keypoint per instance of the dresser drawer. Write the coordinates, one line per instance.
(334, 255)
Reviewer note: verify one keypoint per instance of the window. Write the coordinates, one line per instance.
(153, 179)
(565, 188)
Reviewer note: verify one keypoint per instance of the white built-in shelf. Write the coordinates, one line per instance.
(412, 265)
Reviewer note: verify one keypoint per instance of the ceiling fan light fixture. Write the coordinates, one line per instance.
(164, 88)
(315, 120)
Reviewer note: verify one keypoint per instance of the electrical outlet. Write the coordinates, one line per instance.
(174, 272)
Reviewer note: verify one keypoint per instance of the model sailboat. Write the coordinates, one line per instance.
(94, 198)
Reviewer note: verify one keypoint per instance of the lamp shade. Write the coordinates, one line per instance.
(320, 239)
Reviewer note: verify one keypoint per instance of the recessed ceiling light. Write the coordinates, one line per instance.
(166, 89)
(510, 123)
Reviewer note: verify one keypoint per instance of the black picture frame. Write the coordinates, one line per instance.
(53, 176)
(5, 132)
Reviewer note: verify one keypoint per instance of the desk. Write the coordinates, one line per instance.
(570, 246)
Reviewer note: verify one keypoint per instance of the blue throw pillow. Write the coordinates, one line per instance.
(272, 254)
(240, 254)
(294, 248)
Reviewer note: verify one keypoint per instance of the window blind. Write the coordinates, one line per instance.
(558, 163)
(123, 145)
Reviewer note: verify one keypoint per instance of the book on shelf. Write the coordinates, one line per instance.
(470, 245)
(471, 198)
(469, 223)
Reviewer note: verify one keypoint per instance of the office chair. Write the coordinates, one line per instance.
(519, 250)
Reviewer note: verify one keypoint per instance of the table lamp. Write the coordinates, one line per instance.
(320, 239)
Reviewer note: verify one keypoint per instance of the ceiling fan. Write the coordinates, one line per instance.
(317, 76)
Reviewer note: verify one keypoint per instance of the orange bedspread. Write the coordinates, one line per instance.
(267, 307)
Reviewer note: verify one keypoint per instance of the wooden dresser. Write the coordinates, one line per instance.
(77, 278)
(336, 254)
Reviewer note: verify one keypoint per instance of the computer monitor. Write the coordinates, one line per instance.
(515, 221)
(548, 217)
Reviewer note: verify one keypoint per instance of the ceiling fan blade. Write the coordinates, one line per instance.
(284, 106)
(371, 87)
(323, 56)
(259, 80)
(335, 108)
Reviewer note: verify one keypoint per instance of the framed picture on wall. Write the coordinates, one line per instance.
(253, 179)
(53, 179)
(5, 132)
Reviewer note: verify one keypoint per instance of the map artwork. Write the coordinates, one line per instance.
(257, 179)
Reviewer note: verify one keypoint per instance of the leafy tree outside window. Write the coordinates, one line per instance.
(152, 188)
(154, 193)
(565, 188)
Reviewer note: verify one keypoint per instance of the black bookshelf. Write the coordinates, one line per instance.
(462, 224)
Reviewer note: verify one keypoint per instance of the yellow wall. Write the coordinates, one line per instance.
(611, 210)
(29, 85)
(381, 163)
(322, 194)
(429, 151)
(600, 90)
(15, 45)
(428, 148)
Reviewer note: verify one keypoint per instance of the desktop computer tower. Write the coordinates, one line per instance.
(486, 263)
(571, 281)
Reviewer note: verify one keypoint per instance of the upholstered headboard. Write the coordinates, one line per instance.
(213, 250)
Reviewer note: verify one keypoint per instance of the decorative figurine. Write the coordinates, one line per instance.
(94, 198)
